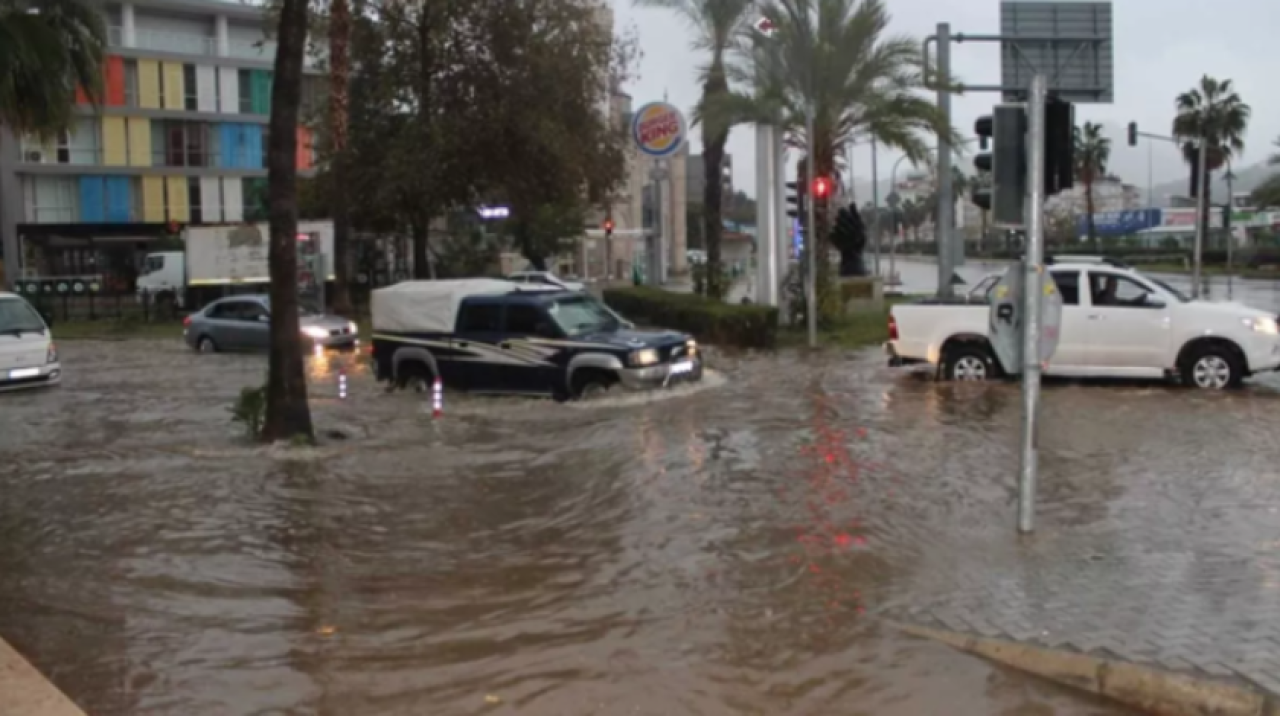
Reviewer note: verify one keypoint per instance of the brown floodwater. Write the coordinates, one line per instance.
(718, 550)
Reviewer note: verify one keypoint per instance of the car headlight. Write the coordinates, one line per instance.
(315, 332)
(691, 346)
(352, 327)
(1263, 325)
(51, 355)
(648, 356)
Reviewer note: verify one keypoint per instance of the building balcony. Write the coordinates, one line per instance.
(182, 43)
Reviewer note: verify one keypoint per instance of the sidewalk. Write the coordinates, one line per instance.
(25, 692)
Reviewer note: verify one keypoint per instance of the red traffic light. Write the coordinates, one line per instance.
(172, 227)
(821, 187)
(608, 224)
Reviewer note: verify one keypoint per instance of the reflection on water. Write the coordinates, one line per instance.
(724, 549)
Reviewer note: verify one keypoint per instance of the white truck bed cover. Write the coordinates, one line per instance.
(429, 306)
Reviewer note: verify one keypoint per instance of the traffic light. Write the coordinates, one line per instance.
(980, 192)
(822, 188)
(1133, 134)
(1005, 193)
(1059, 146)
(795, 199)
(608, 228)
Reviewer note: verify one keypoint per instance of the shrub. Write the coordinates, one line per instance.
(250, 410)
(709, 320)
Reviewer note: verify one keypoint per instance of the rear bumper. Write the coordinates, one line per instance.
(659, 376)
(46, 375)
(897, 361)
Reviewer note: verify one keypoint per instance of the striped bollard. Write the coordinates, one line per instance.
(437, 398)
(342, 384)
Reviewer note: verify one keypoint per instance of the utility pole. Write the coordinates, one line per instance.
(942, 226)
(1032, 295)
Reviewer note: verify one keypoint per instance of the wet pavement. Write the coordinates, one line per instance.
(728, 549)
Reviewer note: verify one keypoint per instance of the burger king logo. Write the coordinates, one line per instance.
(658, 129)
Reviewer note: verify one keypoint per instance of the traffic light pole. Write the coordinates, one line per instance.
(1033, 293)
(946, 207)
(811, 233)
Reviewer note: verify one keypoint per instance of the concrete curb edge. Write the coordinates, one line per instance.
(1150, 690)
(24, 691)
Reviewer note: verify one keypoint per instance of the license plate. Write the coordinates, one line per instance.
(684, 366)
(23, 373)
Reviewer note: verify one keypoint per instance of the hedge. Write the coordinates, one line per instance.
(710, 321)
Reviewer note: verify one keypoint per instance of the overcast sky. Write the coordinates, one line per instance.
(1162, 47)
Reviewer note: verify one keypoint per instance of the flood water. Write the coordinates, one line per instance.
(721, 550)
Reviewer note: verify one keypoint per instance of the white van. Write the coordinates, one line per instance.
(28, 357)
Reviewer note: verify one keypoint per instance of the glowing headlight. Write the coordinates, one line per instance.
(352, 327)
(648, 356)
(1263, 325)
(315, 332)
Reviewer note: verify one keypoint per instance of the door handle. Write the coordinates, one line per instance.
(462, 344)
(1095, 317)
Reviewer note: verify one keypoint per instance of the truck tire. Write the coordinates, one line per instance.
(968, 362)
(591, 384)
(1212, 367)
(414, 374)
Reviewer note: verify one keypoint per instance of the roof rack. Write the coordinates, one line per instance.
(1078, 259)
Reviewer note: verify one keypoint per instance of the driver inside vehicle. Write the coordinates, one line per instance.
(1106, 290)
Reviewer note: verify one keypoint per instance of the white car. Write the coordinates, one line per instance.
(1116, 322)
(28, 357)
(545, 278)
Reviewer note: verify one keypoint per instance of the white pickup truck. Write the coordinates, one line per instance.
(1116, 322)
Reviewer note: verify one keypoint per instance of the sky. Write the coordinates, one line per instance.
(1161, 48)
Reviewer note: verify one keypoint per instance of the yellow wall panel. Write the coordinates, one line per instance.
(153, 200)
(177, 190)
(139, 142)
(149, 84)
(114, 142)
(173, 96)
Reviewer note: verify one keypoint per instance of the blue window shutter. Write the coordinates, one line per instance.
(93, 208)
(118, 199)
(230, 140)
(253, 141)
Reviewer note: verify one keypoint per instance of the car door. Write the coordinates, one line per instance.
(1073, 332)
(530, 370)
(1128, 327)
(222, 324)
(255, 326)
(476, 363)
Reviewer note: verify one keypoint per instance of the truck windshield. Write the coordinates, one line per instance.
(579, 315)
(154, 263)
(17, 316)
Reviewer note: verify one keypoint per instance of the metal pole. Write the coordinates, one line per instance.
(875, 203)
(766, 256)
(811, 231)
(1201, 218)
(1032, 295)
(1231, 226)
(1151, 192)
(942, 226)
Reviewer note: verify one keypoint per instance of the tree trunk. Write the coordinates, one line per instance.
(339, 86)
(1088, 207)
(421, 264)
(1205, 177)
(288, 415)
(713, 143)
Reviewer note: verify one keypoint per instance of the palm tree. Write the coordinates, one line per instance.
(45, 55)
(339, 96)
(717, 24)
(1213, 113)
(288, 415)
(1092, 152)
(837, 56)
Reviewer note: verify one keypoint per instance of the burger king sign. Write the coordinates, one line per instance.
(658, 129)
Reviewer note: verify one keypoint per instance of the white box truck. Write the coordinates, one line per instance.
(222, 260)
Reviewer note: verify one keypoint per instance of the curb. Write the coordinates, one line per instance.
(25, 692)
(1149, 690)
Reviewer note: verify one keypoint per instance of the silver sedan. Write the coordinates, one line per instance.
(241, 323)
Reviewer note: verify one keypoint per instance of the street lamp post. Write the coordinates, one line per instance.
(1229, 209)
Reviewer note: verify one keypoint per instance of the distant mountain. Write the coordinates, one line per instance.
(1246, 180)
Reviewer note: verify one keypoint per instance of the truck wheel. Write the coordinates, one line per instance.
(416, 375)
(591, 384)
(969, 363)
(1212, 367)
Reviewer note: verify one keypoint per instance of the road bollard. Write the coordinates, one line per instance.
(342, 384)
(437, 398)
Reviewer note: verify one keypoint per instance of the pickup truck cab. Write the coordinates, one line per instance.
(1116, 322)
(499, 337)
